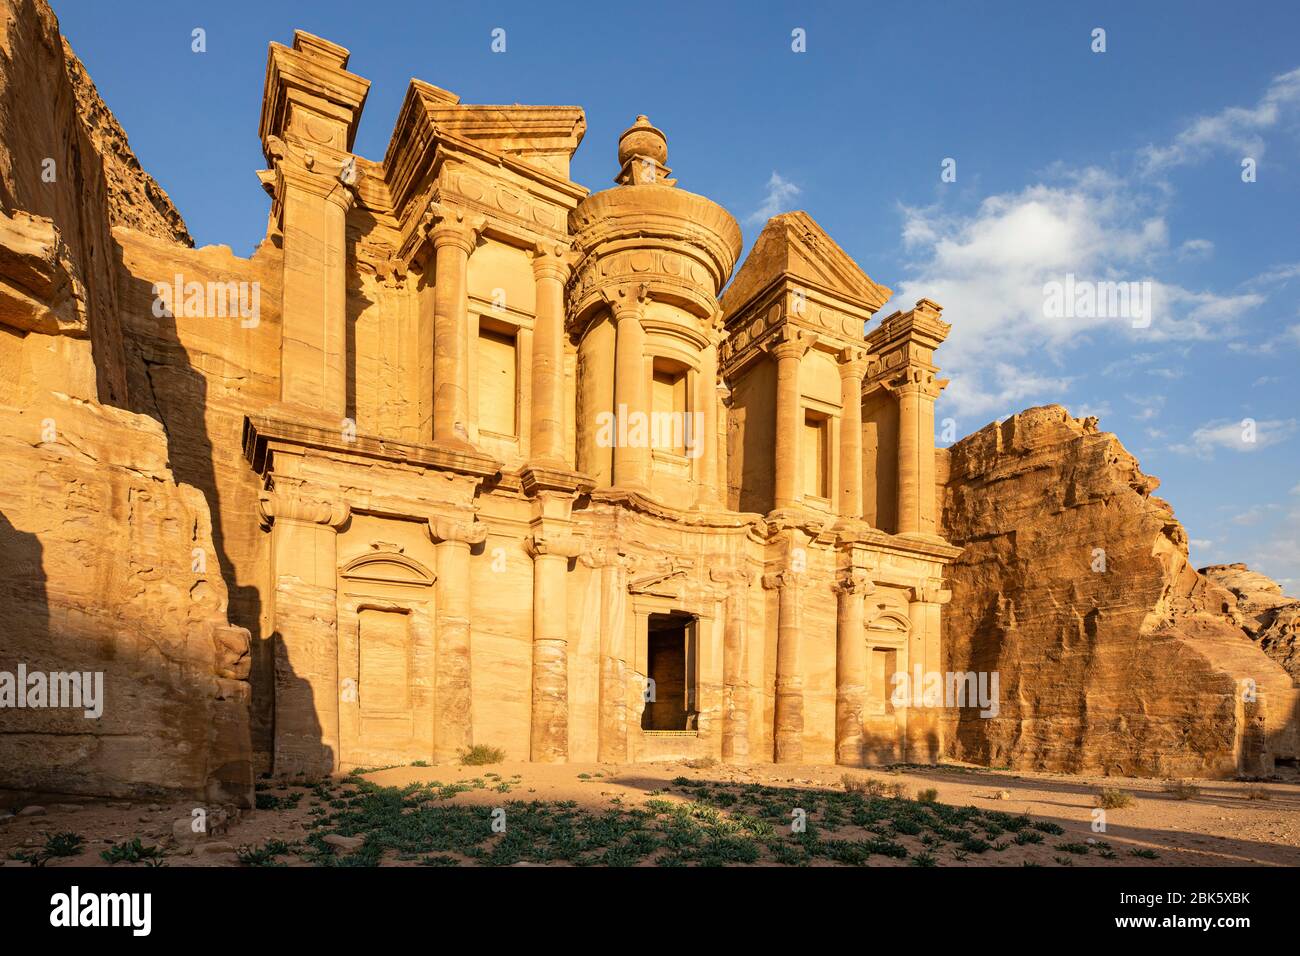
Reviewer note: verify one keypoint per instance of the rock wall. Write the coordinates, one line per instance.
(1268, 616)
(1114, 655)
(111, 570)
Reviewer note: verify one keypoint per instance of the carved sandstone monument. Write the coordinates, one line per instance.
(487, 458)
(467, 454)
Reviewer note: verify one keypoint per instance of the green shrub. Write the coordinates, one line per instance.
(481, 754)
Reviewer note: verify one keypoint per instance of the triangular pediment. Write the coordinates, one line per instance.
(793, 246)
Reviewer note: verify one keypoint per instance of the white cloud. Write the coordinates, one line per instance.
(779, 193)
(1146, 407)
(1235, 130)
(1235, 436)
(1195, 249)
(989, 270)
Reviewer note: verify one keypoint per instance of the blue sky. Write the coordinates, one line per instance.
(1123, 165)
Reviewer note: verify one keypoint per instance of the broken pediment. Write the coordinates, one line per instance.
(794, 247)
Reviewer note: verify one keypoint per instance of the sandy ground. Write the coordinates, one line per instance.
(1218, 826)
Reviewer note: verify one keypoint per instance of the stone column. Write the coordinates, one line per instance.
(310, 110)
(612, 567)
(549, 723)
(313, 353)
(850, 665)
(722, 405)
(788, 720)
(452, 698)
(916, 491)
(631, 459)
(735, 687)
(705, 401)
(304, 626)
(852, 369)
(788, 352)
(924, 734)
(546, 432)
(453, 240)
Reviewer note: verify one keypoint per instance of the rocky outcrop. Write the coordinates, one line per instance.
(1113, 653)
(119, 671)
(1266, 614)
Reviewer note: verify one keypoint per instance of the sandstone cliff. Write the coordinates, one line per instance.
(1114, 654)
(1266, 614)
(110, 564)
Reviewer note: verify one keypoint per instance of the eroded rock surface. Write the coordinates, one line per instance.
(110, 568)
(1114, 654)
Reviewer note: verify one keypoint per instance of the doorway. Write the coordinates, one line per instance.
(670, 665)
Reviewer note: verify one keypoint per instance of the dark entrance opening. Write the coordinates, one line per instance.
(670, 664)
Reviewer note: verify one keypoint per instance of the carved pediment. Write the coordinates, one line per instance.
(386, 564)
(794, 246)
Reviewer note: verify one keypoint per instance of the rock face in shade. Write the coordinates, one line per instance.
(1114, 655)
(110, 569)
(1268, 616)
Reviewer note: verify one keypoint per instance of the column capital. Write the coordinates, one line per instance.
(852, 363)
(853, 581)
(551, 260)
(464, 531)
(559, 545)
(627, 302)
(448, 226)
(329, 176)
(915, 380)
(789, 343)
(291, 505)
(931, 591)
(779, 580)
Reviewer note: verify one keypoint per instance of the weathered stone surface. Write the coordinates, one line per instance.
(1264, 612)
(111, 572)
(1114, 654)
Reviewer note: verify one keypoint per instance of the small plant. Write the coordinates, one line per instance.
(1182, 789)
(928, 795)
(923, 859)
(1025, 837)
(64, 844)
(1079, 849)
(1112, 798)
(1063, 860)
(1257, 793)
(481, 754)
(264, 855)
(974, 844)
(132, 852)
(1145, 854)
